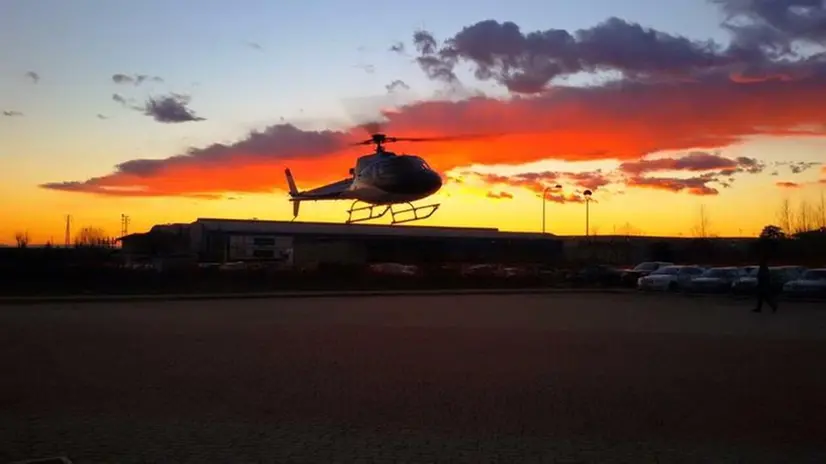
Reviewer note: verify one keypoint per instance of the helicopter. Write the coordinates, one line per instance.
(382, 180)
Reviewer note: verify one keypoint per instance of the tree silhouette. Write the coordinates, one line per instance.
(772, 232)
(22, 239)
(702, 228)
(90, 237)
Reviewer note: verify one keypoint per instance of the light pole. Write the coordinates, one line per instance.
(544, 199)
(587, 194)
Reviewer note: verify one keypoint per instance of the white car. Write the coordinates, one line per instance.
(779, 276)
(812, 282)
(717, 279)
(669, 278)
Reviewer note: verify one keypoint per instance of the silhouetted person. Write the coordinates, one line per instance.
(765, 290)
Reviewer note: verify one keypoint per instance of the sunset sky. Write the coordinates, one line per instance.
(168, 112)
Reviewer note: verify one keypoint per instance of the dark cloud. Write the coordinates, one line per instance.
(694, 162)
(12, 113)
(799, 167)
(134, 79)
(715, 168)
(788, 185)
(500, 195)
(693, 185)
(526, 63)
(775, 26)
(121, 99)
(170, 109)
(33, 76)
(766, 40)
(397, 85)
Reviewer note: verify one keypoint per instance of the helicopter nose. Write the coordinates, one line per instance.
(434, 181)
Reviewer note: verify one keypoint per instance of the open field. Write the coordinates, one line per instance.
(474, 378)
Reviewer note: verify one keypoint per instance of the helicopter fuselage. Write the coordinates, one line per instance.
(387, 178)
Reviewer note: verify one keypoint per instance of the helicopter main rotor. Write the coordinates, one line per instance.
(379, 139)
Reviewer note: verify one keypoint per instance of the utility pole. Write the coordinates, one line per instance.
(124, 225)
(67, 241)
(544, 199)
(587, 194)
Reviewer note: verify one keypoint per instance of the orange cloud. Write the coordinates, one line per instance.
(500, 195)
(788, 185)
(621, 121)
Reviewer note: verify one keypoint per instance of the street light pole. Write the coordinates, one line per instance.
(587, 194)
(544, 199)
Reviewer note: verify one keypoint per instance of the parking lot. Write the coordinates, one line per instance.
(517, 378)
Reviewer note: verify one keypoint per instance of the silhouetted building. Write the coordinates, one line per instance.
(308, 244)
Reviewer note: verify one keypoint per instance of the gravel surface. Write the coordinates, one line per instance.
(513, 378)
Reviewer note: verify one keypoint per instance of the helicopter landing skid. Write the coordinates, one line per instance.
(378, 211)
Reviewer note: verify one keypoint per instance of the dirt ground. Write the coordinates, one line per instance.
(511, 378)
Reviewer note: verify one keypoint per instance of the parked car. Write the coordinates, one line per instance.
(716, 280)
(669, 278)
(597, 274)
(811, 283)
(747, 284)
(631, 276)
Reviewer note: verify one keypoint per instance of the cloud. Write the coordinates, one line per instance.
(694, 162)
(134, 79)
(767, 42)
(671, 94)
(252, 165)
(788, 185)
(500, 195)
(368, 68)
(396, 85)
(775, 26)
(397, 47)
(127, 102)
(546, 182)
(12, 113)
(714, 168)
(693, 185)
(799, 167)
(170, 109)
(33, 76)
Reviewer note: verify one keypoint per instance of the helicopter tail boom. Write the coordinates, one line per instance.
(293, 192)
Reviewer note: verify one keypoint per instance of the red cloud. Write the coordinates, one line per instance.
(616, 121)
(789, 185)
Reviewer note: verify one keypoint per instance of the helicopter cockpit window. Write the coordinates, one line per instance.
(420, 162)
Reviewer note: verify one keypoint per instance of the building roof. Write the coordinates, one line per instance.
(328, 228)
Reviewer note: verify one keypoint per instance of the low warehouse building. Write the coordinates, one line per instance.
(308, 244)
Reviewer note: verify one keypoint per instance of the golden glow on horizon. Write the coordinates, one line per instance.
(734, 212)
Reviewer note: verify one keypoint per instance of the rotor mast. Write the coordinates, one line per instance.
(379, 140)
